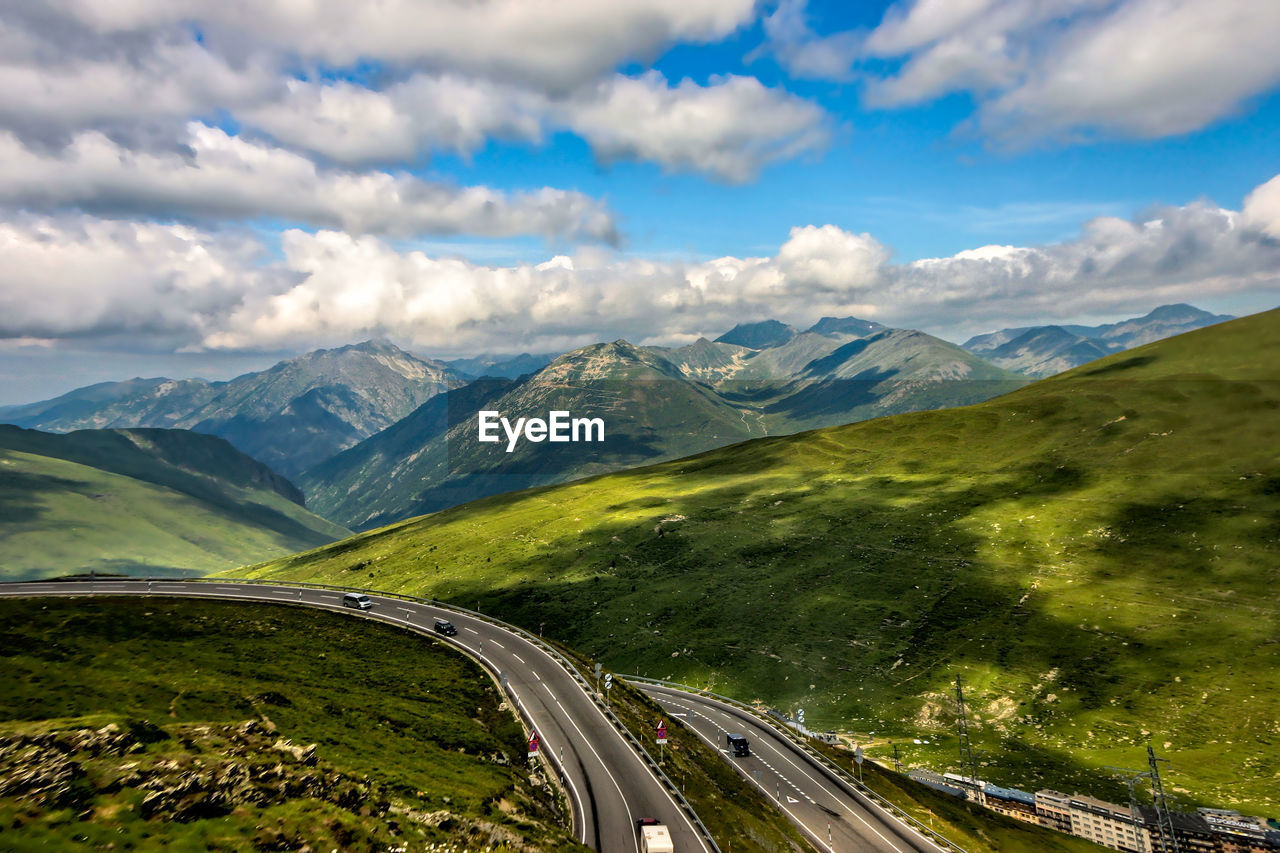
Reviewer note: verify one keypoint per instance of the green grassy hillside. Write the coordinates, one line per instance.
(1098, 554)
(142, 501)
(199, 725)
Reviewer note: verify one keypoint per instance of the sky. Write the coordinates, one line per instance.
(203, 187)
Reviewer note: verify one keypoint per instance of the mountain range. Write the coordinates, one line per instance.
(1045, 350)
(290, 417)
(656, 403)
(153, 501)
(374, 434)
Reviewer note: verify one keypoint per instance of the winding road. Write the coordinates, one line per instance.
(608, 782)
(834, 815)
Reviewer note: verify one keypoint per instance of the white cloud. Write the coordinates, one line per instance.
(555, 45)
(1062, 69)
(1149, 68)
(74, 276)
(1262, 208)
(166, 82)
(803, 52)
(353, 124)
(77, 276)
(507, 70)
(226, 177)
(830, 258)
(731, 128)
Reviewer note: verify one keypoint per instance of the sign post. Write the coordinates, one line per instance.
(533, 744)
(662, 741)
(857, 757)
(608, 685)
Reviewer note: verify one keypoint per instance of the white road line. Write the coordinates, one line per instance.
(496, 643)
(517, 657)
(535, 674)
(839, 800)
(794, 817)
(472, 630)
(630, 818)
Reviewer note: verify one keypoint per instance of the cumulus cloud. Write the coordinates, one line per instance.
(1262, 208)
(730, 128)
(76, 276)
(220, 176)
(1064, 69)
(451, 77)
(556, 45)
(217, 292)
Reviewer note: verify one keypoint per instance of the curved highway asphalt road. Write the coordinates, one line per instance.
(609, 785)
(815, 799)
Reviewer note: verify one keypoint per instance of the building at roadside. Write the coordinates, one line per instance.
(1053, 810)
(1191, 831)
(1019, 805)
(1107, 824)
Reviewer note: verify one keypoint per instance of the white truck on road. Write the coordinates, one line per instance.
(654, 837)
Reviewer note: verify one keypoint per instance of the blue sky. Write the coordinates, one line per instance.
(206, 186)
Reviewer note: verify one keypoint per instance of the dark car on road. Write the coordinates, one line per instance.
(738, 745)
(444, 627)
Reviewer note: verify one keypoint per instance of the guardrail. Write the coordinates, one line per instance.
(843, 775)
(550, 650)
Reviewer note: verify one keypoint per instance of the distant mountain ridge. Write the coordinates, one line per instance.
(143, 500)
(1045, 350)
(502, 366)
(290, 416)
(658, 403)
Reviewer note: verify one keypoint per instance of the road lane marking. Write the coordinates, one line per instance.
(472, 630)
(630, 818)
(812, 776)
(517, 657)
(499, 645)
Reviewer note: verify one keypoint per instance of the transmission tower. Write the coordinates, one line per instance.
(897, 763)
(1164, 822)
(968, 767)
(1132, 778)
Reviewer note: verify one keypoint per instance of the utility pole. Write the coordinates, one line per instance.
(897, 764)
(1132, 778)
(1164, 822)
(968, 767)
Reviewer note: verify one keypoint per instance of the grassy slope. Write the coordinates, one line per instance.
(58, 516)
(406, 723)
(1096, 553)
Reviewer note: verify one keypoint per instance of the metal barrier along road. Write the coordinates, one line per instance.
(841, 775)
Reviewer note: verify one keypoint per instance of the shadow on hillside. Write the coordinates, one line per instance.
(23, 494)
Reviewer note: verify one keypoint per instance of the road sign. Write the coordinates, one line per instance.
(608, 681)
(857, 755)
(800, 716)
(533, 743)
(662, 732)
(598, 668)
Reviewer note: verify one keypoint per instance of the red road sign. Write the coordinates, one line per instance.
(662, 731)
(533, 743)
